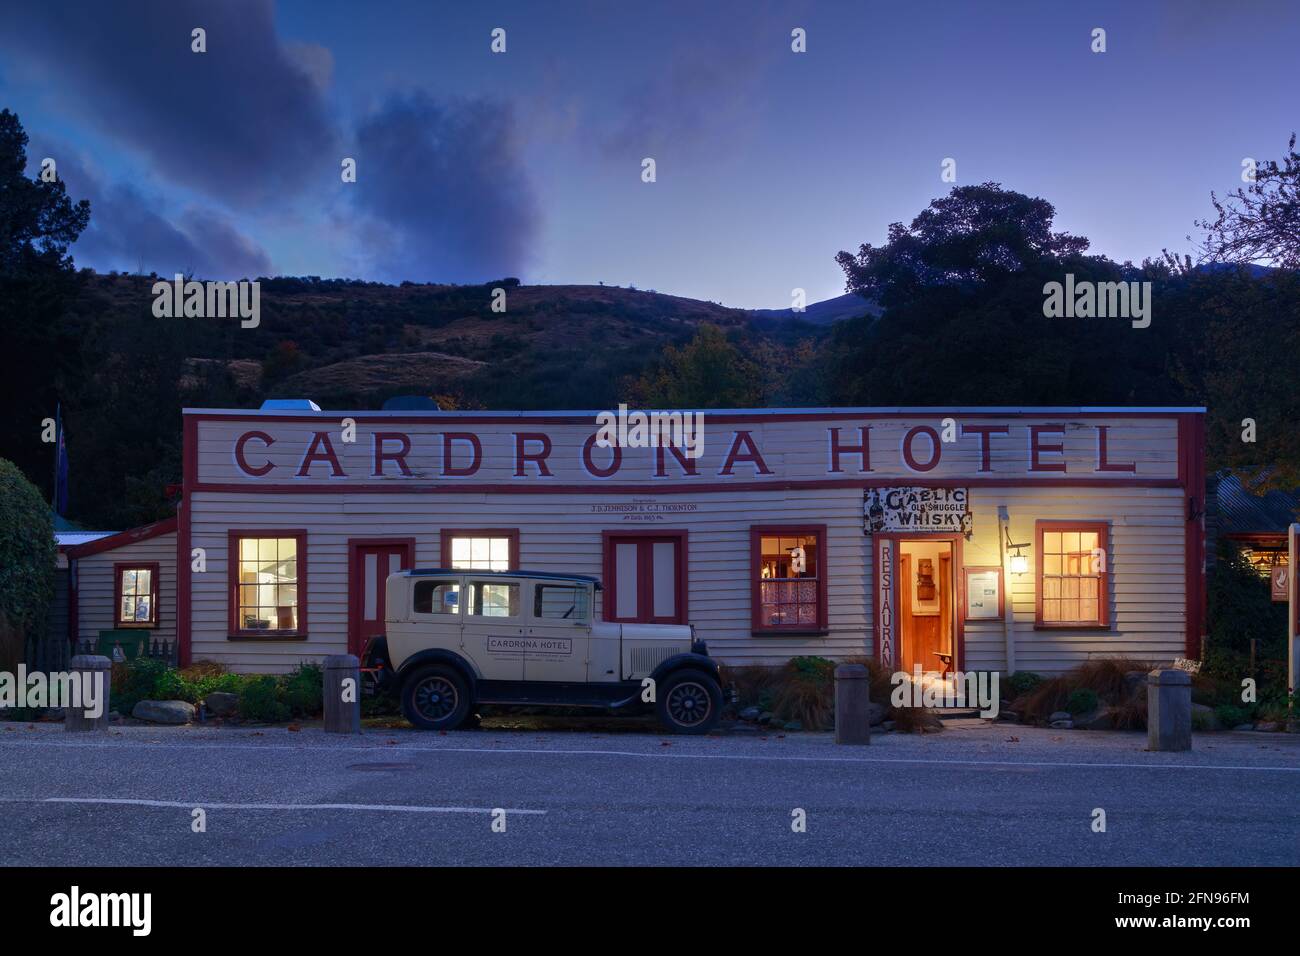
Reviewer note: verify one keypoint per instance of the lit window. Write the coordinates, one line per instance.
(268, 576)
(1072, 574)
(789, 588)
(479, 550)
(137, 595)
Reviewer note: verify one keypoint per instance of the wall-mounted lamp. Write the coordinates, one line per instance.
(1019, 563)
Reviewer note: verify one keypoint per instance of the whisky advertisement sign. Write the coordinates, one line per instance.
(916, 509)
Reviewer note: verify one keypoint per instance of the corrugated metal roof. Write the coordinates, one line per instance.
(1241, 512)
(68, 539)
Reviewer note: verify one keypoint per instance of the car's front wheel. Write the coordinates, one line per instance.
(435, 698)
(689, 702)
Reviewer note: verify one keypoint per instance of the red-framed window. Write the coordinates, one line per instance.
(268, 583)
(646, 576)
(788, 578)
(1072, 574)
(480, 549)
(135, 594)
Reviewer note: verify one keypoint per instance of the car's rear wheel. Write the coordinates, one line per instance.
(689, 702)
(435, 698)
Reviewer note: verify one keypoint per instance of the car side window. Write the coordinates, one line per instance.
(436, 597)
(492, 599)
(560, 602)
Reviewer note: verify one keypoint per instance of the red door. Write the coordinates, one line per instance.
(645, 578)
(371, 563)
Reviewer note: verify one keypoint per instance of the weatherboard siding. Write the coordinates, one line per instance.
(96, 600)
(561, 533)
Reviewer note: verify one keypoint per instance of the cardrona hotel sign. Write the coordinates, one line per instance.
(736, 449)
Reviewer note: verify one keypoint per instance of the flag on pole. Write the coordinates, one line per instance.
(60, 465)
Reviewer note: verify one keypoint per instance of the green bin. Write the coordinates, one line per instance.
(133, 642)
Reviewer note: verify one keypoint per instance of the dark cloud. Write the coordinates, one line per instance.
(445, 189)
(244, 122)
(129, 232)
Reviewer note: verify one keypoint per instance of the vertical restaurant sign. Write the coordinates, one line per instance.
(885, 619)
(916, 509)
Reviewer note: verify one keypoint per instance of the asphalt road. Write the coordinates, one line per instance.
(974, 795)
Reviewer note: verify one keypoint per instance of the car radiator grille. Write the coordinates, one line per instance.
(645, 659)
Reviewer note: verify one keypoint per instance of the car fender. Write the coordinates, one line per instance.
(679, 661)
(437, 655)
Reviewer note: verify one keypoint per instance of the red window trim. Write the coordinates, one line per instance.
(236, 633)
(609, 607)
(756, 533)
(446, 534)
(1102, 530)
(119, 568)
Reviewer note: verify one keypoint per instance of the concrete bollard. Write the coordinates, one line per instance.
(1169, 710)
(852, 704)
(100, 668)
(342, 694)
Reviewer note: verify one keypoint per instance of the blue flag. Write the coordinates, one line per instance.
(60, 466)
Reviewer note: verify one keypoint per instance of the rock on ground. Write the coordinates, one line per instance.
(164, 711)
(221, 704)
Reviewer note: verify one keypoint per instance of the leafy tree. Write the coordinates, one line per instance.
(1241, 610)
(41, 356)
(1260, 223)
(707, 372)
(963, 290)
(27, 554)
(37, 220)
(1239, 360)
(973, 235)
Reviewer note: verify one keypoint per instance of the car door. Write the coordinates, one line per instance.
(492, 625)
(558, 632)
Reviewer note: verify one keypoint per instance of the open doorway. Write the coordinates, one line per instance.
(927, 606)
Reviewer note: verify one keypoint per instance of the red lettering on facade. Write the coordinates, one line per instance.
(1036, 448)
(685, 461)
(751, 455)
(452, 471)
(398, 456)
(615, 459)
(538, 458)
(320, 449)
(1103, 459)
(984, 431)
(862, 449)
(934, 448)
(242, 462)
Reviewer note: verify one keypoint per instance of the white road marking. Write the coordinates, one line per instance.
(660, 755)
(208, 805)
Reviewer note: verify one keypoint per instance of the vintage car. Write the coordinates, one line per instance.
(457, 640)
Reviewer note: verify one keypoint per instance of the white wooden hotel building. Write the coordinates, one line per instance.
(976, 538)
